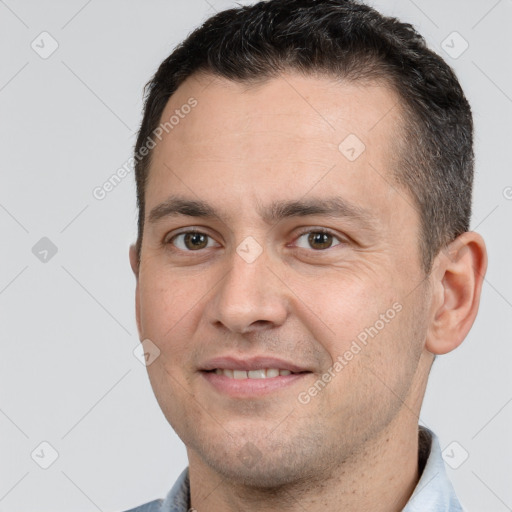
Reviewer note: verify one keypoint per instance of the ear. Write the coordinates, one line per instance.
(457, 280)
(134, 260)
(135, 264)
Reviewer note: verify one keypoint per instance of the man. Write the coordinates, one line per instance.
(304, 173)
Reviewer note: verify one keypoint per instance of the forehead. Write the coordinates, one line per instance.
(306, 108)
(282, 137)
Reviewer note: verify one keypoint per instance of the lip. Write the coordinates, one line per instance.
(251, 388)
(253, 363)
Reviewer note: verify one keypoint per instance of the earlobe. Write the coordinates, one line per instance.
(134, 260)
(457, 284)
(134, 263)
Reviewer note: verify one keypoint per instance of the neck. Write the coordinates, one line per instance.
(380, 476)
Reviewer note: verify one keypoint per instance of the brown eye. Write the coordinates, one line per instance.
(318, 240)
(190, 241)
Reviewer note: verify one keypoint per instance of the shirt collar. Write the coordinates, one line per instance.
(434, 490)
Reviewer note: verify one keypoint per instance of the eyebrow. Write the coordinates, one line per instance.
(335, 207)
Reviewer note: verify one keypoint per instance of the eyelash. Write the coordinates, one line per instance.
(302, 233)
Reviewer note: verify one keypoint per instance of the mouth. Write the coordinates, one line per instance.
(241, 384)
(253, 377)
(263, 373)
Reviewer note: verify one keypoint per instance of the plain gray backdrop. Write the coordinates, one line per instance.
(71, 80)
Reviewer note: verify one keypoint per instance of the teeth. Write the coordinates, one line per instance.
(264, 373)
(257, 374)
(227, 373)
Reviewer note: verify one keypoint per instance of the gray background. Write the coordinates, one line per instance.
(68, 375)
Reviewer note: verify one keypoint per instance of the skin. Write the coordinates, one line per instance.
(354, 446)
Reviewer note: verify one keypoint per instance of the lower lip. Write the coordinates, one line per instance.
(251, 387)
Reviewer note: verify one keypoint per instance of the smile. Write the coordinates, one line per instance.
(263, 373)
(254, 383)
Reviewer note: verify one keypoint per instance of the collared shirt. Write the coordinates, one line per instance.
(433, 492)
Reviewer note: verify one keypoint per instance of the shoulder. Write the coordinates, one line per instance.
(151, 506)
(177, 500)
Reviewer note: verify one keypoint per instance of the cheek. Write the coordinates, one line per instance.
(341, 307)
(171, 390)
(170, 309)
(166, 304)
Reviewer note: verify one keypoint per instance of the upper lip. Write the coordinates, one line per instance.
(253, 363)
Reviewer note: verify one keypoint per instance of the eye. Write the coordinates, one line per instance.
(191, 241)
(318, 239)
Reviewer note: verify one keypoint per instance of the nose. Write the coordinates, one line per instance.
(249, 297)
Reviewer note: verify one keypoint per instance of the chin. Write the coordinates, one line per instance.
(261, 475)
(259, 465)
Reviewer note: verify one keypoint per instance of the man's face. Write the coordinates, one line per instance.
(262, 288)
